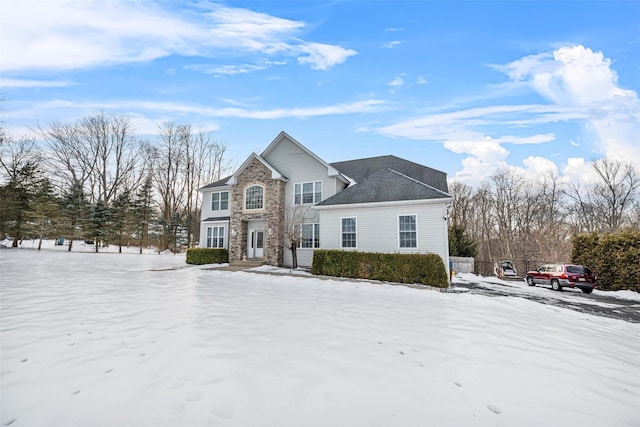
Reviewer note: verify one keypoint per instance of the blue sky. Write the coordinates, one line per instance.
(465, 87)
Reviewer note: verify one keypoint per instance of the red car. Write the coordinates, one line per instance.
(561, 275)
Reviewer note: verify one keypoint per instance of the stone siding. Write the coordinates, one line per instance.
(272, 214)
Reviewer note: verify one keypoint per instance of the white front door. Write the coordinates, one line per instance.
(255, 245)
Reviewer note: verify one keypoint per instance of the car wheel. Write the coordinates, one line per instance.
(530, 281)
(587, 290)
(555, 285)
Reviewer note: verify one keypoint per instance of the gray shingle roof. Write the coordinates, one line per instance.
(360, 169)
(386, 185)
(219, 183)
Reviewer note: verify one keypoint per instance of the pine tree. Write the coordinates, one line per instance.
(121, 217)
(75, 209)
(44, 213)
(99, 223)
(143, 211)
(460, 244)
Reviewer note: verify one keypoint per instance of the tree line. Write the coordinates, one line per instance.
(96, 180)
(510, 217)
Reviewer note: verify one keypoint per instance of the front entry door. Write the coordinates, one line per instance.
(256, 244)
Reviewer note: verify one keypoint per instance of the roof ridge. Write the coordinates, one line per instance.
(412, 179)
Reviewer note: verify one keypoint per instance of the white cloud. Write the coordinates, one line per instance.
(24, 83)
(391, 44)
(77, 34)
(227, 70)
(580, 86)
(421, 81)
(582, 79)
(153, 110)
(397, 82)
(322, 56)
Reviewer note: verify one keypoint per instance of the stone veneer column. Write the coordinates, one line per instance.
(272, 214)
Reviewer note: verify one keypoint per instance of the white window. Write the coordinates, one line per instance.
(307, 193)
(254, 198)
(408, 231)
(348, 231)
(309, 235)
(215, 237)
(220, 201)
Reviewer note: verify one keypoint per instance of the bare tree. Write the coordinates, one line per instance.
(115, 150)
(294, 218)
(461, 212)
(169, 183)
(71, 159)
(609, 203)
(615, 193)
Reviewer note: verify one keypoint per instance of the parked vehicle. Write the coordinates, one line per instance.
(561, 275)
(504, 269)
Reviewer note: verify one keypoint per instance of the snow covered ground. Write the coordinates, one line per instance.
(145, 340)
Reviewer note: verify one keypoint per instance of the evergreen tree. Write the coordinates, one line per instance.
(18, 196)
(143, 211)
(460, 244)
(99, 223)
(121, 217)
(44, 213)
(75, 210)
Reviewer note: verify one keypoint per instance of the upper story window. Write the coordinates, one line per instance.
(220, 201)
(254, 198)
(307, 193)
(348, 231)
(407, 227)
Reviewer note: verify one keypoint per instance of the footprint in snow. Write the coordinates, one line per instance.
(11, 421)
(458, 384)
(24, 360)
(108, 371)
(75, 392)
(494, 409)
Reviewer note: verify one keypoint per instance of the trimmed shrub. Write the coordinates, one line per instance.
(199, 256)
(427, 269)
(614, 257)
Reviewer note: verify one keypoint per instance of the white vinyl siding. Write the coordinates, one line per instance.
(299, 168)
(378, 228)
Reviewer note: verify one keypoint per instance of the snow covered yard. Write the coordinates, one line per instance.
(145, 340)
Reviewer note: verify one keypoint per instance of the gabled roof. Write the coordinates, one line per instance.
(386, 185)
(275, 174)
(331, 171)
(219, 183)
(360, 169)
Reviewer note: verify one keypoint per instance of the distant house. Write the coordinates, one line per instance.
(376, 204)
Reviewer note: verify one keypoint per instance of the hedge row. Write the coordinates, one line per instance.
(427, 269)
(614, 257)
(199, 256)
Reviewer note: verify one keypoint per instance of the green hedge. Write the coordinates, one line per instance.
(427, 269)
(201, 256)
(614, 257)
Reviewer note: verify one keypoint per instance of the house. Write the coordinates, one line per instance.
(377, 204)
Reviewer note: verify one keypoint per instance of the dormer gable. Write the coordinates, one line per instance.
(275, 174)
(283, 138)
